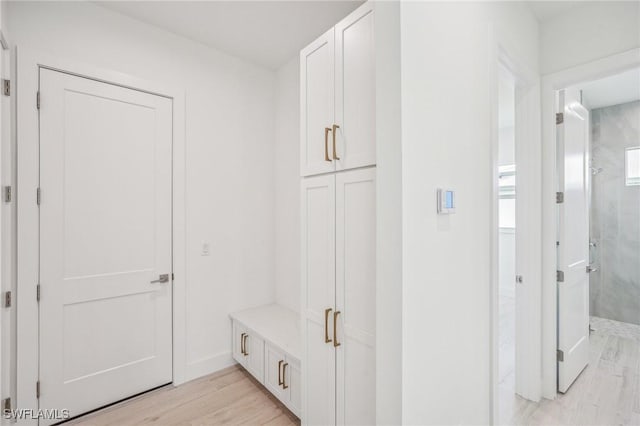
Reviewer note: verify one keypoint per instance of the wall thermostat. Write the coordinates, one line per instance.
(446, 201)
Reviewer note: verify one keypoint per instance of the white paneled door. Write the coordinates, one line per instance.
(355, 94)
(318, 298)
(573, 247)
(105, 242)
(355, 297)
(316, 106)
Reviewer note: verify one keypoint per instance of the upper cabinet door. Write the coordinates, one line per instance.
(316, 106)
(355, 96)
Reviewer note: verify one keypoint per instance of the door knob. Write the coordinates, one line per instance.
(591, 269)
(161, 279)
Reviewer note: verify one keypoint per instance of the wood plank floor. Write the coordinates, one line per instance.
(607, 392)
(228, 397)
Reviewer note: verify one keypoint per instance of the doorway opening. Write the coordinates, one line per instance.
(506, 243)
(598, 247)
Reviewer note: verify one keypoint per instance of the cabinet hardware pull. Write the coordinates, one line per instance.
(245, 345)
(335, 326)
(335, 155)
(242, 343)
(284, 377)
(326, 325)
(326, 144)
(280, 381)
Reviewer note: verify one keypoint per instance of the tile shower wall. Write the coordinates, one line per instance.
(615, 215)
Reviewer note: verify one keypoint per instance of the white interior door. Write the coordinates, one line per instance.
(318, 299)
(316, 106)
(355, 99)
(105, 237)
(573, 248)
(355, 297)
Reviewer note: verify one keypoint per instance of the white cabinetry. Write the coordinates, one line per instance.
(337, 97)
(338, 294)
(266, 342)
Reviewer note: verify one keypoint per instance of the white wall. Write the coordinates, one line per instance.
(588, 32)
(287, 185)
(229, 148)
(446, 142)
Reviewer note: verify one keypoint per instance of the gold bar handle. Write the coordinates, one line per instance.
(326, 144)
(242, 343)
(245, 344)
(327, 339)
(284, 376)
(280, 381)
(335, 155)
(335, 326)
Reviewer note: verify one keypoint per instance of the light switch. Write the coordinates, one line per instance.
(206, 249)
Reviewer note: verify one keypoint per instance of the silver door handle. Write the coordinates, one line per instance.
(164, 278)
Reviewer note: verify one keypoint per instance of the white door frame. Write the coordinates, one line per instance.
(551, 84)
(527, 84)
(27, 76)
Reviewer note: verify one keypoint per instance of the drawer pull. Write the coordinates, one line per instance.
(327, 339)
(242, 343)
(335, 155)
(280, 381)
(245, 344)
(335, 327)
(284, 375)
(326, 144)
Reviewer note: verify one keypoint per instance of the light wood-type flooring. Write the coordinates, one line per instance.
(607, 392)
(228, 397)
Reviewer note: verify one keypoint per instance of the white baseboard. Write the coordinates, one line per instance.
(207, 365)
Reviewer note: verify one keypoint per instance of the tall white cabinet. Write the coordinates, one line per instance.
(339, 223)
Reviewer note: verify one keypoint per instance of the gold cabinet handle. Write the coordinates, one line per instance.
(327, 339)
(335, 155)
(335, 326)
(326, 144)
(245, 344)
(280, 380)
(242, 343)
(284, 376)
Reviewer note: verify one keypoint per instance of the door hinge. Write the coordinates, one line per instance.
(560, 355)
(38, 99)
(38, 196)
(7, 194)
(557, 243)
(6, 87)
(38, 389)
(559, 118)
(38, 292)
(6, 405)
(519, 279)
(173, 277)
(560, 276)
(559, 197)
(7, 299)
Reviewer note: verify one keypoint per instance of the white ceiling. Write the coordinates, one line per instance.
(267, 33)
(614, 90)
(546, 9)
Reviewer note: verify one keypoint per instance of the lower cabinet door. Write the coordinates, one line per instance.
(274, 360)
(254, 349)
(294, 387)
(239, 337)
